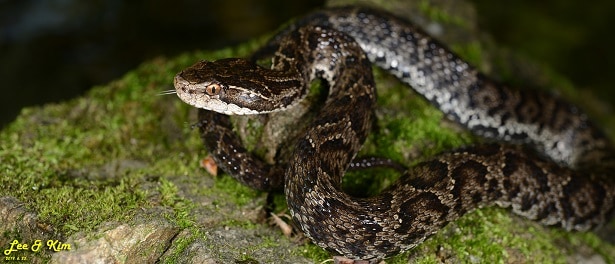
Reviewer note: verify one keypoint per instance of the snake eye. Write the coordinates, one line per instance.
(213, 89)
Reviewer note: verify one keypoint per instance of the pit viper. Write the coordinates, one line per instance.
(550, 163)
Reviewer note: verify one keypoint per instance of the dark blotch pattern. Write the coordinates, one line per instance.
(568, 184)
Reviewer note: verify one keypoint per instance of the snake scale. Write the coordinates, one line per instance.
(552, 164)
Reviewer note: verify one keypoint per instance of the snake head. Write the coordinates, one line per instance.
(236, 87)
(224, 86)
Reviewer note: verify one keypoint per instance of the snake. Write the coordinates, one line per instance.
(542, 157)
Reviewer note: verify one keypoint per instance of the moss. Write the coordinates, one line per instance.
(94, 159)
(436, 14)
(241, 194)
(182, 207)
(472, 52)
(180, 245)
(314, 252)
(40, 153)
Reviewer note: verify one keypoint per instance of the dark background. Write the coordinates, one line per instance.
(57, 49)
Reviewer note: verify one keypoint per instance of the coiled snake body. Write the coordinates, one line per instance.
(568, 184)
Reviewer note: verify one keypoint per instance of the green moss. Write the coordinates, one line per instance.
(410, 128)
(181, 207)
(41, 156)
(434, 13)
(471, 52)
(85, 161)
(314, 252)
(181, 244)
(239, 193)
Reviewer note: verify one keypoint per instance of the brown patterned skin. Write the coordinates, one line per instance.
(563, 178)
